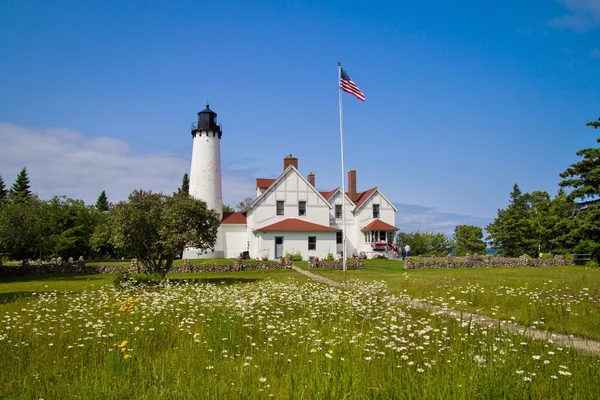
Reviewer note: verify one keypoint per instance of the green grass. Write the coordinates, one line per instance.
(561, 299)
(279, 337)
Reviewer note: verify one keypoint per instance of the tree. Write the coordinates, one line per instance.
(468, 239)
(102, 202)
(24, 229)
(154, 227)
(3, 192)
(73, 224)
(424, 242)
(227, 208)
(185, 184)
(243, 205)
(584, 176)
(511, 233)
(538, 210)
(20, 189)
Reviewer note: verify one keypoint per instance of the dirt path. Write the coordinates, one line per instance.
(588, 346)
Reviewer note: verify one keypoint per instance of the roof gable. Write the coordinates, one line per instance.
(364, 196)
(289, 170)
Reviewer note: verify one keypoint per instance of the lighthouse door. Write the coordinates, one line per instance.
(278, 246)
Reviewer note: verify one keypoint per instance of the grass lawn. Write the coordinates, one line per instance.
(279, 337)
(562, 299)
(15, 288)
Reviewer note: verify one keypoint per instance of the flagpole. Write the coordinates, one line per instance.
(344, 249)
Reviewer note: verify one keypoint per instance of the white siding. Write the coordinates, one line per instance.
(234, 239)
(298, 241)
(291, 189)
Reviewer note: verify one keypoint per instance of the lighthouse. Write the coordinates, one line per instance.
(205, 171)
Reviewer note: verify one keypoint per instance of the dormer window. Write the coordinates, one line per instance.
(375, 210)
(279, 207)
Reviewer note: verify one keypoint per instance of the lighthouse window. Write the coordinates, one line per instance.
(279, 207)
(301, 208)
(312, 242)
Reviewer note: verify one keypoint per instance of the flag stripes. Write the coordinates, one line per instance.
(349, 86)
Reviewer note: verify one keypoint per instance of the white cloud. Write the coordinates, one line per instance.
(411, 218)
(581, 15)
(62, 161)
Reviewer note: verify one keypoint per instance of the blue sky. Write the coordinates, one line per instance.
(464, 99)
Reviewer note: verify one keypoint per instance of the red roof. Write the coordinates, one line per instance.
(362, 197)
(264, 183)
(296, 225)
(379, 225)
(234, 218)
(328, 195)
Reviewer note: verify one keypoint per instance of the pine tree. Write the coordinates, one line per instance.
(583, 176)
(512, 233)
(102, 202)
(185, 184)
(20, 189)
(3, 192)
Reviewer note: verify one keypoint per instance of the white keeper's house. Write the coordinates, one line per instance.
(288, 214)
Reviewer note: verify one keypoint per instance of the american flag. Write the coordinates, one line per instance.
(350, 87)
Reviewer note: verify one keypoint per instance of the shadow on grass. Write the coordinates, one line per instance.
(51, 277)
(214, 281)
(13, 297)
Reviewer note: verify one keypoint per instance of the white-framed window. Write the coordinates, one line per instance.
(338, 211)
(368, 237)
(375, 210)
(312, 242)
(302, 208)
(339, 237)
(279, 207)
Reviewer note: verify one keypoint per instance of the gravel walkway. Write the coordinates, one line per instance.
(588, 346)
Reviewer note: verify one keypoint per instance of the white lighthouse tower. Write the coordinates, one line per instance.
(205, 172)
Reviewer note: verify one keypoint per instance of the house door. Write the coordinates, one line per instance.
(278, 246)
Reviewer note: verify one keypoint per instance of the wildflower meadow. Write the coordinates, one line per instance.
(278, 337)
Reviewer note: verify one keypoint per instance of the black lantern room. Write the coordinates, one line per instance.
(207, 121)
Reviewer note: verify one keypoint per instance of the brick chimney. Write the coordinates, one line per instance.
(290, 160)
(352, 184)
(311, 179)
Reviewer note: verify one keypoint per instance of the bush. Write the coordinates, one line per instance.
(592, 264)
(546, 256)
(329, 257)
(294, 257)
(123, 279)
(147, 279)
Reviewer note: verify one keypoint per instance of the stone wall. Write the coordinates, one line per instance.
(351, 263)
(477, 261)
(79, 268)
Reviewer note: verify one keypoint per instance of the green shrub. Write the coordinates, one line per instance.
(546, 256)
(294, 257)
(123, 279)
(592, 264)
(329, 257)
(147, 279)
